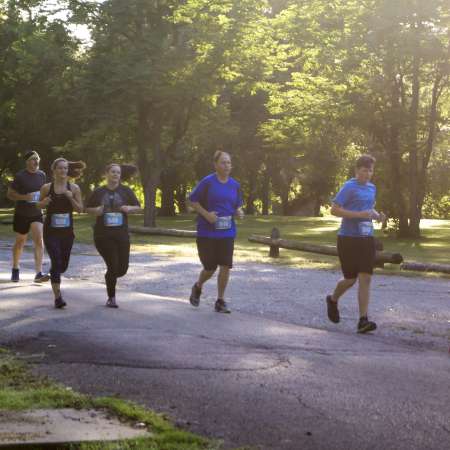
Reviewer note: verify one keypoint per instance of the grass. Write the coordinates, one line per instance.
(433, 247)
(20, 390)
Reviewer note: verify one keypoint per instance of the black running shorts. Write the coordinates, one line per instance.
(22, 224)
(215, 252)
(356, 254)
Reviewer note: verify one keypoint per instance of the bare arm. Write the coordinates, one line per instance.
(44, 198)
(339, 211)
(211, 217)
(15, 196)
(74, 195)
(96, 210)
(130, 209)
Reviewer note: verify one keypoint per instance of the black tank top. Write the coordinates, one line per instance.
(59, 213)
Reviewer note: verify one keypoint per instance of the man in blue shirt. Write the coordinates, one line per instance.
(216, 199)
(355, 244)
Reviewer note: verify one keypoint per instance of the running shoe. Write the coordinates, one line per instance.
(196, 292)
(365, 325)
(41, 277)
(332, 310)
(15, 275)
(221, 306)
(111, 303)
(59, 303)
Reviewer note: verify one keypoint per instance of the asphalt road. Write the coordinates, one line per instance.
(274, 374)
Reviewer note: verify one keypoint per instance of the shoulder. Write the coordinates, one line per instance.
(127, 189)
(46, 187)
(74, 187)
(208, 179)
(235, 183)
(41, 173)
(19, 174)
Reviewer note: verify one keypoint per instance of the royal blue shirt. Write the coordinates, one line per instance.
(355, 196)
(224, 199)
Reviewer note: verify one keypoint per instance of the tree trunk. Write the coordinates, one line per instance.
(265, 194)
(167, 194)
(180, 196)
(414, 212)
(149, 144)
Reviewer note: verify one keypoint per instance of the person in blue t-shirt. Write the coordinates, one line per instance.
(217, 199)
(355, 203)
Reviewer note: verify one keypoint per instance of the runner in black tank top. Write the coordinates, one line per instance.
(111, 204)
(60, 198)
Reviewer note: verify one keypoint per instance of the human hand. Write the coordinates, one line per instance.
(125, 209)
(211, 217)
(46, 201)
(99, 210)
(368, 214)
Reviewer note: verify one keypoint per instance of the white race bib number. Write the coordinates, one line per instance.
(36, 195)
(60, 220)
(365, 228)
(113, 219)
(223, 223)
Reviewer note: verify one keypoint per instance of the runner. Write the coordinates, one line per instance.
(24, 190)
(111, 204)
(60, 198)
(355, 243)
(216, 199)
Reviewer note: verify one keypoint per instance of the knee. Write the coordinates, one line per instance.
(224, 269)
(364, 278)
(20, 242)
(349, 282)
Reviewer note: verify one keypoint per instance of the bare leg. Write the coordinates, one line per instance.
(222, 281)
(342, 287)
(18, 249)
(204, 276)
(36, 234)
(56, 287)
(364, 280)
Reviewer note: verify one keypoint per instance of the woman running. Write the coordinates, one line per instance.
(111, 204)
(60, 198)
(216, 199)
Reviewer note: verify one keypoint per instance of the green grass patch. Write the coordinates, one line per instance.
(22, 390)
(433, 247)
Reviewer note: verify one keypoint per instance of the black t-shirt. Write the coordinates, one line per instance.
(112, 220)
(25, 183)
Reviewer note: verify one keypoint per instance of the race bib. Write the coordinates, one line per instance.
(365, 228)
(36, 195)
(113, 219)
(223, 223)
(60, 220)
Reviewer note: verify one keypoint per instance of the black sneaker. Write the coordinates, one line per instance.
(221, 306)
(332, 310)
(365, 325)
(15, 275)
(196, 292)
(41, 277)
(111, 303)
(59, 303)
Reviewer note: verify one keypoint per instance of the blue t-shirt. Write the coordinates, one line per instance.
(355, 196)
(224, 199)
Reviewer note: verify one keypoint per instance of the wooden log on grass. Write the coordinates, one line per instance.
(381, 257)
(426, 267)
(152, 231)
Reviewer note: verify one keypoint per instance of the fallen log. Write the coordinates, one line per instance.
(153, 231)
(381, 257)
(426, 267)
